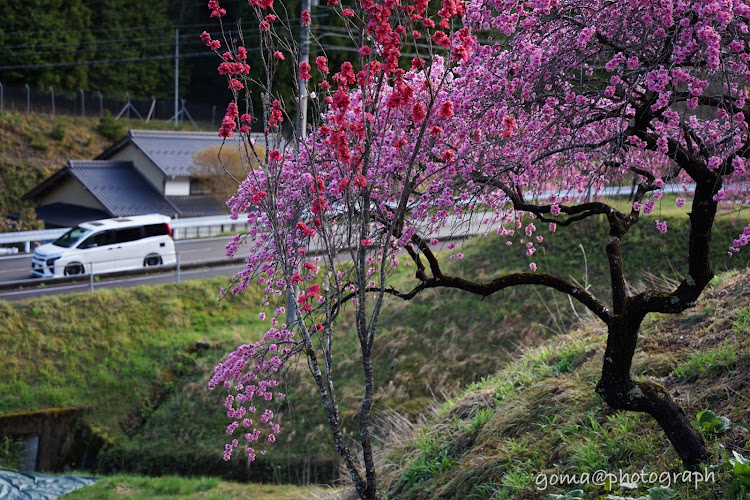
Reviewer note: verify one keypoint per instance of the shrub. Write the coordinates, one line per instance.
(109, 128)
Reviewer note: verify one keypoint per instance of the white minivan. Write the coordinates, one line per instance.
(107, 245)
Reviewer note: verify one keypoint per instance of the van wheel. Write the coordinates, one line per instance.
(74, 268)
(152, 260)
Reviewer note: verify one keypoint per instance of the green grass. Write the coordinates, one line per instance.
(174, 487)
(533, 418)
(105, 349)
(128, 356)
(121, 355)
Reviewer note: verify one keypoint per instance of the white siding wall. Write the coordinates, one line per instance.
(179, 186)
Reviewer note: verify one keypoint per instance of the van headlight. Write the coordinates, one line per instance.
(51, 263)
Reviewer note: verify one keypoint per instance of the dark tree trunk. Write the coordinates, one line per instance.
(621, 392)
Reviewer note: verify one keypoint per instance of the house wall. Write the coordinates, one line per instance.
(70, 190)
(142, 164)
(179, 186)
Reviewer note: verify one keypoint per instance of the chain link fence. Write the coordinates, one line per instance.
(21, 98)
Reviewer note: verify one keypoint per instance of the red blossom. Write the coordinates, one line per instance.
(446, 110)
(309, 266)
(360, 181)
(257, 198)
(448, 155)
(322, 64)
(418, 112)
(235, 84)
(275, 155)
(304, 70)
(440, 38)
(318, 206)
(510, 127)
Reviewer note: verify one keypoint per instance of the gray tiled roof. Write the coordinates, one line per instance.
(120, 187)
(172, 151)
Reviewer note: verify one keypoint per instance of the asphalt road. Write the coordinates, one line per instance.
(17, 268)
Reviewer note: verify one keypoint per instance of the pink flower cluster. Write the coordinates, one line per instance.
(251, 372)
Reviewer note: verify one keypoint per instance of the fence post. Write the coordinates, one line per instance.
(28, 99)
(1, 98)
(151, 109)
(101, 104)
(52, 92)
(83, 103)
(177, 256)
(91, 277)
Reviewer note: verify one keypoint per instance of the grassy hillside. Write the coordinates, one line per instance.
(508, 434)
(137, 360)
(119, 354)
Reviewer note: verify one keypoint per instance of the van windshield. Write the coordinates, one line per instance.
(72, 237)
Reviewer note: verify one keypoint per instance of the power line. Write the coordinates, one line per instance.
(332, 31)
(246, 33)
(105, 30)
(94, 50)
(88, 42)
(108, 61)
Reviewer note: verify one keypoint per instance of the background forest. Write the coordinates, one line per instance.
(120, 48)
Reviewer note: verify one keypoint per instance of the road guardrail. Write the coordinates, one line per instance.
(177, 225)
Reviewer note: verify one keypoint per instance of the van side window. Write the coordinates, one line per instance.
(98, 240)
(128, 234)
(156, 230)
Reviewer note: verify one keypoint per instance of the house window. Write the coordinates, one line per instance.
(199, 186)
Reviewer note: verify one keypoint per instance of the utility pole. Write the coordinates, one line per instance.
(304, 56)
(176, 75)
